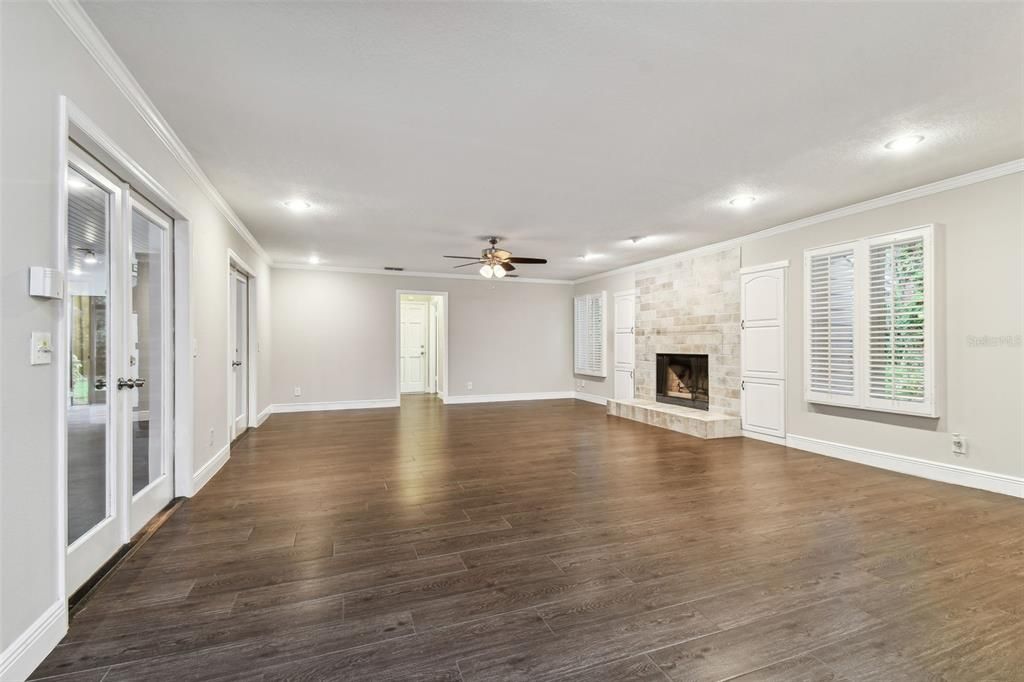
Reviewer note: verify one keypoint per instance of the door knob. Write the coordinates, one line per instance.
(123, 383)
(139, 383)
(236, 363)
(101, 384)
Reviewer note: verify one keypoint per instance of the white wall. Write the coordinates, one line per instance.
(335, 333)
(604, 387)
(983, 228)
(41, 60)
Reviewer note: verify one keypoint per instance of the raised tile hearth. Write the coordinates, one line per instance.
(692, 422)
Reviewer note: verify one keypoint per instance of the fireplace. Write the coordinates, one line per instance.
(682, 379)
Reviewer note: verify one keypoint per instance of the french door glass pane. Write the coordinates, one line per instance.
(146, 330)
(88, 409)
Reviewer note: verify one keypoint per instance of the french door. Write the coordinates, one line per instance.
(118, 399)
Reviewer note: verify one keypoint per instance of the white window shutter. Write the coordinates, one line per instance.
(589, 334)
(898, 349)
(831, 339)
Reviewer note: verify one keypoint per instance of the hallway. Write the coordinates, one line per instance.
(544, 540)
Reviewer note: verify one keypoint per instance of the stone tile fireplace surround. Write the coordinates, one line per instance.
(689, 306)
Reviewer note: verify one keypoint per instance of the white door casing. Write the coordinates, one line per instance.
(413, 341)
(763, 350)
(625, 344)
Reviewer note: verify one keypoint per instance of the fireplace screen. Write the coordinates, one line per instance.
(683, 379)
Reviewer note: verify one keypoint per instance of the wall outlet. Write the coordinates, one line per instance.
(959, 445)
(211, 437)
(469, 385)
(297, 392)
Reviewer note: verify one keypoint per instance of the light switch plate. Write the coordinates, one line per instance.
(42, 349)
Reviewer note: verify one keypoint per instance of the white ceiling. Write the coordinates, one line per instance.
(417, 128)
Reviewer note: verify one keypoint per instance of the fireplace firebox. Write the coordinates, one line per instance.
(683, 380)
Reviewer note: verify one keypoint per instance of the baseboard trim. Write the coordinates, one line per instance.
(281, 408)
(262, 416)
(935, 471)
(591, 398)
(210, 469)
(768, 438)
(506, 397)
(26, 652)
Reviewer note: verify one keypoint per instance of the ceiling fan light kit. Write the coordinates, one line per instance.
(495, 262)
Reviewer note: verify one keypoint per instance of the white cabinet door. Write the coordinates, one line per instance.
(763, 351)
(625, 319)
(762, 403)
(762, 324)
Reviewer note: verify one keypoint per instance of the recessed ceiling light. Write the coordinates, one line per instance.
(742, 201)
(902, 144)
(314, 259)
(90, 258)
(296, 204)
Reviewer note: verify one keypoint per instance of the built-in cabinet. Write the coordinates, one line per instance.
(763, 349)
(625, 328)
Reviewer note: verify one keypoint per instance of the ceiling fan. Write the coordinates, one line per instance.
(497, 262)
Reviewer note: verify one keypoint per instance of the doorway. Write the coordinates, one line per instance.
(118, 385)
(422, 343)
(241, 302)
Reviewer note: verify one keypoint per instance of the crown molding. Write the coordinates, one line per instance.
(981, 175)
(407, 273)
(76, 19)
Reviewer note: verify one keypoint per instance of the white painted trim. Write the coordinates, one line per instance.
(590, 398)
(282, 408)
(92, 39)
(28, 650)
(935, 471)
(210, 469)
(767, 266)
(778, 440)
(406, 273)
(506, 397)
(398, 337)
(262, 416)
(981, 175)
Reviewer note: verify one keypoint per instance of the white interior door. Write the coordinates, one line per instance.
(625, 321)
(413, 346)
(763, 351)
(148, 418)
(239, 327)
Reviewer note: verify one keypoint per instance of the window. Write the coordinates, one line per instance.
(869, 340)
(589, 334)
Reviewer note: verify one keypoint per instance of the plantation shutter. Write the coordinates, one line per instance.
(831, 329)
(589, 336)
(897, 349)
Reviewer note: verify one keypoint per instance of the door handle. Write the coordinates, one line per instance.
(236, 363)
(100, 384)
(139, 383)
(123, 383)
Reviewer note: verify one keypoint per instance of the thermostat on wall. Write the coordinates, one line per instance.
(45, 282)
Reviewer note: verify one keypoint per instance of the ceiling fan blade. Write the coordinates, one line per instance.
(464, 257)
(507, 267)
(534, 261)
(465, 264)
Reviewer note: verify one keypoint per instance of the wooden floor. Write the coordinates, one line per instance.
(544, 540)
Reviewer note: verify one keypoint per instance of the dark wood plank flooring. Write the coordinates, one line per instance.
(544, 540)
